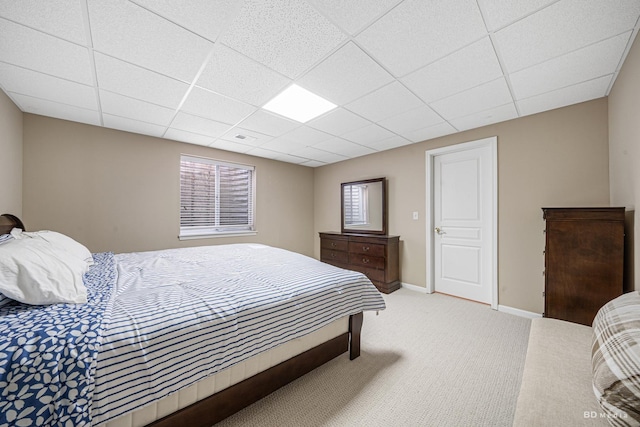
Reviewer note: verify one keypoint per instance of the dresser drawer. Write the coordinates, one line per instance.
(334, 256)
(366, 260)
(365, 248)
(374, 255)
(334, 244)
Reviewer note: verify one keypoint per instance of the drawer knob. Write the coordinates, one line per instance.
(365, 248)
(365, 260)
(333, 244)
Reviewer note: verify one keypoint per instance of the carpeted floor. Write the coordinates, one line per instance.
(427, 360)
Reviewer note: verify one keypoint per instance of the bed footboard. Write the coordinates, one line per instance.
(227, 402)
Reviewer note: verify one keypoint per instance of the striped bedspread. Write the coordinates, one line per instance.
(180, 315)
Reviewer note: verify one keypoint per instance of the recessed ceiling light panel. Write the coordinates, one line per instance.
(299, 104)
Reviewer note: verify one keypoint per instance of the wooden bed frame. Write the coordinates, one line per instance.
(8, 222)
(227, 402)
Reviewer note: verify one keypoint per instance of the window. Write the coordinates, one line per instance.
(215, 198)
(356, 202)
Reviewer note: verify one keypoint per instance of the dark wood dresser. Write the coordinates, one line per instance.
(584, 257)
(376, 256)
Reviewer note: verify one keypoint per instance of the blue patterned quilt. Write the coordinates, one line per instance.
(48, 354)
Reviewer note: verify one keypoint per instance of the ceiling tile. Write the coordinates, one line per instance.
(319, 155)
(487, 117)
(563, 27)
(338, 122)
(306, 135)
(581, 92)
(202, 126)
(135, 109)
(343, 147)
(290, 159)
(288, 36)
(134, 126)
(388, 101)
(40, 52)
(581, 65)
(368, 134)
(211, 105)
(388, 143)
(189, 137)
(250, 137)
(231, 146)
(499, 13)
(282, 145)
(136, 82)
(204, 17)
(430, 132)
(27, 82)
(419, 32)
(462, 70)
(43, 107)
(353, 15)
(346, 75)
(313, 163)
(270, 124)
(233, 74)
(129, 32)
(60, 18)
(411, 120)
(261, 152)
(480, 98)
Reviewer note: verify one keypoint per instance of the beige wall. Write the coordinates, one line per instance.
(556, 158)
(117, 191)
(11, 158)
(624, 152)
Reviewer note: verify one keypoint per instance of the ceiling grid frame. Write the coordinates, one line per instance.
(376, 127)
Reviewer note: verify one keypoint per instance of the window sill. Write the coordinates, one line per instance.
(193, 236)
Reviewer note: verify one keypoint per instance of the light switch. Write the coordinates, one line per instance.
(415, 215)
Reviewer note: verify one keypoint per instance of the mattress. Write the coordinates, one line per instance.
(181, 315)
(228, 377)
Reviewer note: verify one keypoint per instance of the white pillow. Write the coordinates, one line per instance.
(59, 241)
(34, 271)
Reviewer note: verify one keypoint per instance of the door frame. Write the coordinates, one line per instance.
(491, 142)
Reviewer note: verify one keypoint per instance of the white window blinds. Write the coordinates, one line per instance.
(215, 197)
(356, 200)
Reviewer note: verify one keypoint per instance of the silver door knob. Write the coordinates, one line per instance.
(438, 230)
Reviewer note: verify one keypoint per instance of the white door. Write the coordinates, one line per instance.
(463, 229)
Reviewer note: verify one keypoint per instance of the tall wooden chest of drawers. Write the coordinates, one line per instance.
(377, 256)
(584, 256)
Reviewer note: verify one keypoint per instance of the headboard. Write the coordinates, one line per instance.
(8, 222)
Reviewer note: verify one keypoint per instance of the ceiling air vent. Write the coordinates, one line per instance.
(244, 138)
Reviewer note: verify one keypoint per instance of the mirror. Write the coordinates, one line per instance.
(364, 206)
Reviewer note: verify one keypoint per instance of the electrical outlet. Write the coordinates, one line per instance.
(415, 215)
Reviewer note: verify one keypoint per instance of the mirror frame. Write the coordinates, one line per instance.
(383, 231)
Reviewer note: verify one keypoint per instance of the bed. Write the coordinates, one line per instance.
(203, 347)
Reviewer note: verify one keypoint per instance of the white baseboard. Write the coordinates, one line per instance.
(518, 312)
(415, 288)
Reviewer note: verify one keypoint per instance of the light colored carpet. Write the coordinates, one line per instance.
(427, 360)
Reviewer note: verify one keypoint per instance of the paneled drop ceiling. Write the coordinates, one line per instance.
(401, 72)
